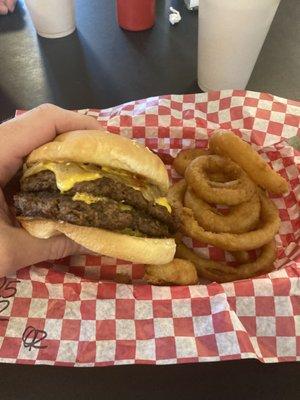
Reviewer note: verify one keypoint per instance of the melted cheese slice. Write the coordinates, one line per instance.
(162, 201)
(66, 174)
(87, 198)
(90, 199)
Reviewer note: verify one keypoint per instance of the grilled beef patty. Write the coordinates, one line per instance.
(105, 214)
(116, 190)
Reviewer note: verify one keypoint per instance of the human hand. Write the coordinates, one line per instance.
(18, 137)
(7, 6)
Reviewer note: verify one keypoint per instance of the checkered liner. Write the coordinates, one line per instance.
(69, 313)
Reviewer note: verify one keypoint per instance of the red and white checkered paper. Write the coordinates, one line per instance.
(80, 317)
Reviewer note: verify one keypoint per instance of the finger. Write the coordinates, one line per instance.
(4, 210)
(3, 9)
(11, 4)
(19, 249)
(19, 136)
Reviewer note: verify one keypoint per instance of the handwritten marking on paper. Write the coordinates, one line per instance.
(4, 304)
(33, 337)
(8, 289)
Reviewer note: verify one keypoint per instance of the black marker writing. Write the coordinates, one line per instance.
(3, 306)
(32, 338)
(7, 290)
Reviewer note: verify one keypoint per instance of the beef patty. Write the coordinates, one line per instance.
(116, 190)
(40, 197)
(105, 214)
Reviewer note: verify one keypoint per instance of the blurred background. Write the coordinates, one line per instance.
(101, 65)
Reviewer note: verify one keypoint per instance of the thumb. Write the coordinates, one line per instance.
(19, 249)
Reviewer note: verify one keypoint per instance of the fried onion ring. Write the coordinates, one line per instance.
(224, 184)
(239, 188)
(176, 272)
(184, 157)
(241, 218)
(220, 272)
(218, 178)
(242, 257)
(269, 224)
(228, 144)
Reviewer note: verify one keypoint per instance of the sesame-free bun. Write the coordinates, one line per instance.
(104, 242)
(110, 150)
(103, 148)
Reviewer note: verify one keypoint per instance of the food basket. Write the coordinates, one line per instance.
(72, 312)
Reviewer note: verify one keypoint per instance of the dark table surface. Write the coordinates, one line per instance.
(100, 66)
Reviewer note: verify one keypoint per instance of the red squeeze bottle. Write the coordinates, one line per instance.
(136, 15)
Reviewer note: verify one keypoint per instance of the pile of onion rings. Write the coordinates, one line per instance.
(230, 173)
(267, 227)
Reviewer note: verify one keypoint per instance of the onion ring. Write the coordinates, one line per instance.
(241, 190)
(220, 272)
(228, 144)
(217, 177)
(241, 218)
(176, 272)
(184, 157)
(227, 241)
(216, 184)
(242, 257)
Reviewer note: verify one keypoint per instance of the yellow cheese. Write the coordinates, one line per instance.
(86, 198)
(90, 199)
(162, 201)
(125, 207)
(66, 174)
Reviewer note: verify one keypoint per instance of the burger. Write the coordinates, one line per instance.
(102, 190)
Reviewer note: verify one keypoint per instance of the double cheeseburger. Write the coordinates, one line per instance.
(101, 190)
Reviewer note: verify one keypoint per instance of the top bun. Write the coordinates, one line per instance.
(103, 148)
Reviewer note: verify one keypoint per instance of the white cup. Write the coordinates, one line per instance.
(52, 18)
(231, 34)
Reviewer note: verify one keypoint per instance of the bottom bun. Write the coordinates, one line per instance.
(101, 241)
